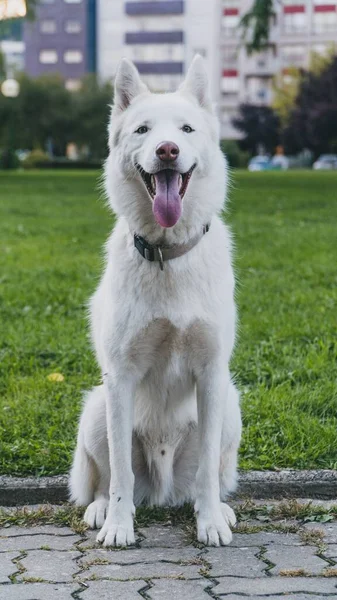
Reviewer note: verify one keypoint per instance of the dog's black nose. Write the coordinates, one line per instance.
(167, 151)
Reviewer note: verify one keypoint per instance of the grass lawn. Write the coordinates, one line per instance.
(52, 227)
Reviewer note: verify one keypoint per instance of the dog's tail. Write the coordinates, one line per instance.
(82, 475)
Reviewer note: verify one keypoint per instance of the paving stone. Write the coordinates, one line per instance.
(38, 591)
(331, 551)
(290, 559)
(36, 529)
(51, 566)
(241, 562)
(146, 555)
(32, 542)
(141, 571)
(328, 529)
(7, 567)
(265, 538)
(164, 589)
(330, 533)
(274, 585)
(163, 537)
(113, 590)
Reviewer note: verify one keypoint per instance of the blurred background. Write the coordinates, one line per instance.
(273, 72)
(272, 67)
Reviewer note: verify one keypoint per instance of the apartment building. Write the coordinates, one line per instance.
(298, 28)
(12, 46)
(62, 39)
(161, 37)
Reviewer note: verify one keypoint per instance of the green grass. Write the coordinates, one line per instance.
(52, 228)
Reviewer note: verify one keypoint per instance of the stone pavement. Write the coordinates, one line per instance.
(48, 562)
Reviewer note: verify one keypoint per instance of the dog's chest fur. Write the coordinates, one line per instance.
(157, 347)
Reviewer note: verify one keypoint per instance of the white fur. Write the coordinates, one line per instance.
(164, 427)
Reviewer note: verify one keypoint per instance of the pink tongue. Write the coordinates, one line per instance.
(167, 202)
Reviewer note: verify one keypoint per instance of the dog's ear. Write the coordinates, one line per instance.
(128, 85)
(196, 83)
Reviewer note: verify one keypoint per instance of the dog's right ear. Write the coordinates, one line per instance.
(128, 85)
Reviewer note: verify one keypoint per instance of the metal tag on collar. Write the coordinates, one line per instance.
(161, 260)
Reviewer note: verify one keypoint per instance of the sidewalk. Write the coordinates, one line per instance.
(270, 556)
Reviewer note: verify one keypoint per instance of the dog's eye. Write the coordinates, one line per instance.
(142, 129)
(187, 129)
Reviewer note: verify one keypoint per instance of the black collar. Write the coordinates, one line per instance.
(158, 253)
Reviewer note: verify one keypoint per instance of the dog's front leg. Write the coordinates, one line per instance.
(118, 527)
(212, 520)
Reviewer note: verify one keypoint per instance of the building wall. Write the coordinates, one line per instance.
(299, 27)
(61, 39)
(160, 36)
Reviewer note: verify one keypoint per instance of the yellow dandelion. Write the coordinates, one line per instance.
(55, 377)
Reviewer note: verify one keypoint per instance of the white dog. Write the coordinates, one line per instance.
(164, 427)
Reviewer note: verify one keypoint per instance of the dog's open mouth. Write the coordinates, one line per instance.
(167, 189)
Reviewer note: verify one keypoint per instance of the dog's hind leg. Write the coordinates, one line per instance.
(90, 474)
(230, 440)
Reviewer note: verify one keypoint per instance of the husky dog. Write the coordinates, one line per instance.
(164, 427)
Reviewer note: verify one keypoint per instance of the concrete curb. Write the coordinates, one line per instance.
(17, 491)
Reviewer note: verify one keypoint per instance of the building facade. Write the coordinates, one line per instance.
(62, 39)
(160, 36)
(299, 27)
(12, 46)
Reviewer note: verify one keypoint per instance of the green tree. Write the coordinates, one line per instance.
(92, 109)
(255, 25)
(286, 87)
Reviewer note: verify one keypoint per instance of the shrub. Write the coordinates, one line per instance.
(235, 157)
(34, 159)
(9, 160)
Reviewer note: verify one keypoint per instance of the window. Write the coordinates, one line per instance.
(295, 22)
(230, 24)
(155, 52)
(48, 26)
(230, 55)
(324, 21)
(72, 27)
(73, 56)
(293, 56)
(230, 82)
(48, 57)
(73, 85)
(73, 1)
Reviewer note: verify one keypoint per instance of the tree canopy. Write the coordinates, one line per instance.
(260, 126)
(313, 121)
(45, 111)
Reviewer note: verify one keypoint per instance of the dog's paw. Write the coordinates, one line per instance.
(96, 513)
(228, 514)
(118, 527)
(214, 530)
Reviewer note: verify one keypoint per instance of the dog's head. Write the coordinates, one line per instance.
(164, 146)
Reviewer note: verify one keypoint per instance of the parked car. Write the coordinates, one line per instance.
(325, 162)
(265, 163)
(279, 161)
(259, 163)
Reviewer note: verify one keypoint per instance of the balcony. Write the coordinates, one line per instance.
(260, 67)
(164, 7)
(160, 68)
(154, 37)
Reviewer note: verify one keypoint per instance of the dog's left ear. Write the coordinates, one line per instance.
(128, 85)
(196, 83)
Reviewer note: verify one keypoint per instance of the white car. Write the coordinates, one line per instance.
(259, 163)
(325, 162)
